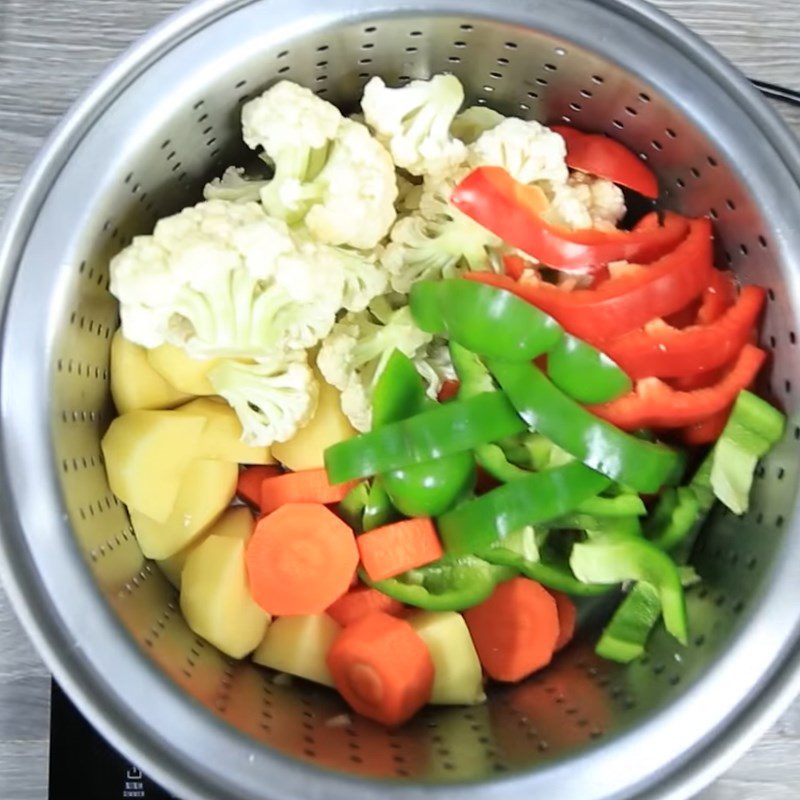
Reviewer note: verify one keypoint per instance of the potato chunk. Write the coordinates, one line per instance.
(222, 436)
(215, 598)
(299, 645)
(236, 522)
(147, 454)
(180, 370)
(328, 426)
(134, 383)
(205, 492)
(458, 679)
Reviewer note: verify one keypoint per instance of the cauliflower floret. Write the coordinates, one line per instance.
(273, 398)
(364, 278)
(436, 241)
(351, 201)
(234, 186)
(529, 151)
(435, 365)
(585, 202)
(224, 279)
(414, 122)
(355, 353)
(474, 121)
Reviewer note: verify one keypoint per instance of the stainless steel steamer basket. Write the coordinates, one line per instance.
(139, 145)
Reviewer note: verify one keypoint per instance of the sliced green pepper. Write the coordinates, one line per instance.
(493, 460)
(673, 518)
(378, 510)
(485, 320)
(455, 427)
(616, 559)
(584, 373)
(625, 636)
(642, 466)
(430, 488)
(473, 376)
(451, 584)
(541, 496)
(351, 508)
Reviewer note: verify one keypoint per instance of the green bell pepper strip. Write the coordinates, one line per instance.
(351, 508)
(673, 518)
(418, 490)
(473, 376)
(640, 465)
(378, 510)
(493, 461)
(455, 427)
(476, 525)
(584, 373)
(484, 319)
(625, 636)
(616, 559)
(451, 584)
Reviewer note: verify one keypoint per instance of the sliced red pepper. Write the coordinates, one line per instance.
(707, 430)
(607, 158)
(628, 301)
(655, 404)
(718, 297)
(448, 391)
(665, 352)
(515, 212)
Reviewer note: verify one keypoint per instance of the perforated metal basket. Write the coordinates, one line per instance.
(140, 145)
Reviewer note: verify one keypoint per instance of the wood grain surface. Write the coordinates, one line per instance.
(49, 52)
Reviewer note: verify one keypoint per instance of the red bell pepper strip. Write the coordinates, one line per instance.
(448, 391)
(718, 297)
(607, 158)
(655, 404)
(626, 302)
(516, 213)
(707, 430)
(665, 352)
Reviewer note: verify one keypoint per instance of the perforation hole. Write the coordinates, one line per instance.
(511, 45)
(762, 241)
(575, 106)
(454, 59)
(617, 124)
(670, 133)
(598, 79)
(631, 111)
(550, 67)
(730, 204)
(695, 172)
(586, 93)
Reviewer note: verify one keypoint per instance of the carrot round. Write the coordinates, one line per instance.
(401, 546)
(567, 617)
(248, 487)
(300, 559)
(359, 602)
(382, 668)
(306, 486)
(515, 631)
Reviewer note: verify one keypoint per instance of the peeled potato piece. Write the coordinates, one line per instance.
(235, 523)
(205, 492)
(457, 670)
(299, 645)
(134, 383)
(180, 370)
(222, 436)
(215, 598)
(328, 426)
(147, 454)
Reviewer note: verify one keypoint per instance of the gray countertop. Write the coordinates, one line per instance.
(49, 51)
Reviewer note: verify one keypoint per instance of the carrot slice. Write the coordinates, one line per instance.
(567, 616)
(515, 631)
(399, 547)
(359, 602)
(248, 486)
(382, 668)
(300, 559)
(306, 486)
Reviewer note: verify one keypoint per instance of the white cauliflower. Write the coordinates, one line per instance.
(364, 278)
(224, 279)
(355, 353)
(473, 121)
(436, 241)
(414, 122)
(235, 186)
(435, 365)
(585, 202)
(529, 151)
(329, 170)
(273, 398)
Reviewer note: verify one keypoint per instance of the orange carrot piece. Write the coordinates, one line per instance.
(396, 548)
(300, 559)
(515, 631)
(359, 602)
(567, 617)
(382, 668)
(306, 486)
(250, 479)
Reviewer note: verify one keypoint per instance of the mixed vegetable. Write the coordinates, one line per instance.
(389, 406)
